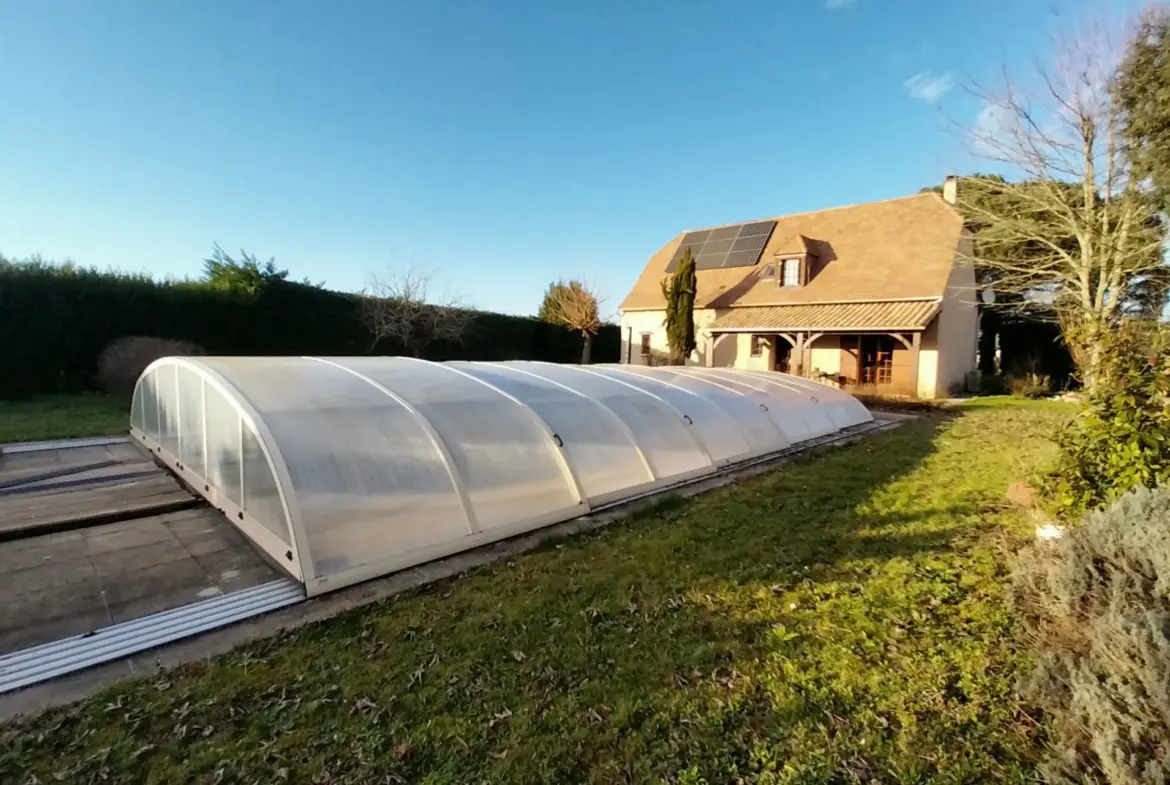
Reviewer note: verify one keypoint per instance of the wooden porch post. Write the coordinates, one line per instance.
(710, 350)
(806, 356)
(915, 345)
(798, 352)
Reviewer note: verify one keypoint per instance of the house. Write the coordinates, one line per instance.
(878, 297)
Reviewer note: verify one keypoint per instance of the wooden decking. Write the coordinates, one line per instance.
(65, 488)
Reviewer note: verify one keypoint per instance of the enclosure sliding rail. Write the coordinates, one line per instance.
(69, 655)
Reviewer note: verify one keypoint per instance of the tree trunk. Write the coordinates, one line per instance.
(587, 349)
(1084, 341)
(1090, 374)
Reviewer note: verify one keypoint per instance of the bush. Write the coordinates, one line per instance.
(1121, 437)
(993, 384)
(1097, 605)
(1032, 385)
(124, 360)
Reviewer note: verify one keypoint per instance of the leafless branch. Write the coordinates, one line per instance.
(1088, 230)
(398, 306)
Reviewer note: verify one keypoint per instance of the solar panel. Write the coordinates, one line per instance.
(725, 233)
(715, 247)
(728, 246)
(749, 243)
(761, 227)
(741, 259)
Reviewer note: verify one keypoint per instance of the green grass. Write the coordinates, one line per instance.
(1018, 401)
(840, 619)
(62, 416)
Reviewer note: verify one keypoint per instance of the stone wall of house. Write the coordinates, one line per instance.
(958, 325)
(635, 324)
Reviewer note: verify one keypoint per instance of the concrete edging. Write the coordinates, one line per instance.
(14, 448)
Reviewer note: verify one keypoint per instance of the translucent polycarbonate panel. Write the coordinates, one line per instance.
(370, 482)
(190, 398)
(818, 416)
(360, 466)
(168, 408)
(724, 439)
(794, 411)
(785, 415)
(136, 420)
(145, 405)
(509, 464)
(598, 446)
(745, 414)
(221, 429)
(843, 408)
(664, 437)
(261, 495)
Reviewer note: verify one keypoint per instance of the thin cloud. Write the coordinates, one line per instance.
(925, 87)
(993, 128)
(836, 5)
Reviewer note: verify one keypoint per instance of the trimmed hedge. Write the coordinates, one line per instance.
(55, 322)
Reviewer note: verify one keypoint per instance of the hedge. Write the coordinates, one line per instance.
(55, 322)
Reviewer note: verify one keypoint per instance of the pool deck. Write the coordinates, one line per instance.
(59, 487)
(75, 582)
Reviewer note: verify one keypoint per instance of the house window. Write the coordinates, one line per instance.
(758, 342)
(791, 272)
(646, 346)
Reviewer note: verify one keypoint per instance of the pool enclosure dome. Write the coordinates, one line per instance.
(342, 469)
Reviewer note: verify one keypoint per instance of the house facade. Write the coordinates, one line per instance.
(876, 297)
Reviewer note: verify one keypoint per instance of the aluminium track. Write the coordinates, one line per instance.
(69, 655)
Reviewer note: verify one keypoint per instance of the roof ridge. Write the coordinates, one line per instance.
(822, 210)
(953, 208)
(923, 299)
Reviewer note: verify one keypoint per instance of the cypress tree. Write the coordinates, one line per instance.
(679, 290)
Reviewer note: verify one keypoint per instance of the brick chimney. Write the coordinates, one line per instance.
(951, 188)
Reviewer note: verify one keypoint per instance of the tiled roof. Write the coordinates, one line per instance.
(888, 315)
(896, 249)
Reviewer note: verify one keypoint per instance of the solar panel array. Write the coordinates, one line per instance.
(727, 246)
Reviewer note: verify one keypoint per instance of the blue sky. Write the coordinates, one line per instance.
(500, 143)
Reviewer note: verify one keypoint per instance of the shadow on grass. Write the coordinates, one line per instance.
(838, 619)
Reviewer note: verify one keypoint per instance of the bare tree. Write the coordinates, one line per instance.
(397, 305)
(1090, 229)
(574, 305)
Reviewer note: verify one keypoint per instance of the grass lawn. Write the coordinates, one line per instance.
(62, 416)
(840, 619)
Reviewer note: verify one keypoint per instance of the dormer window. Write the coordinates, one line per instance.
(790, 272)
